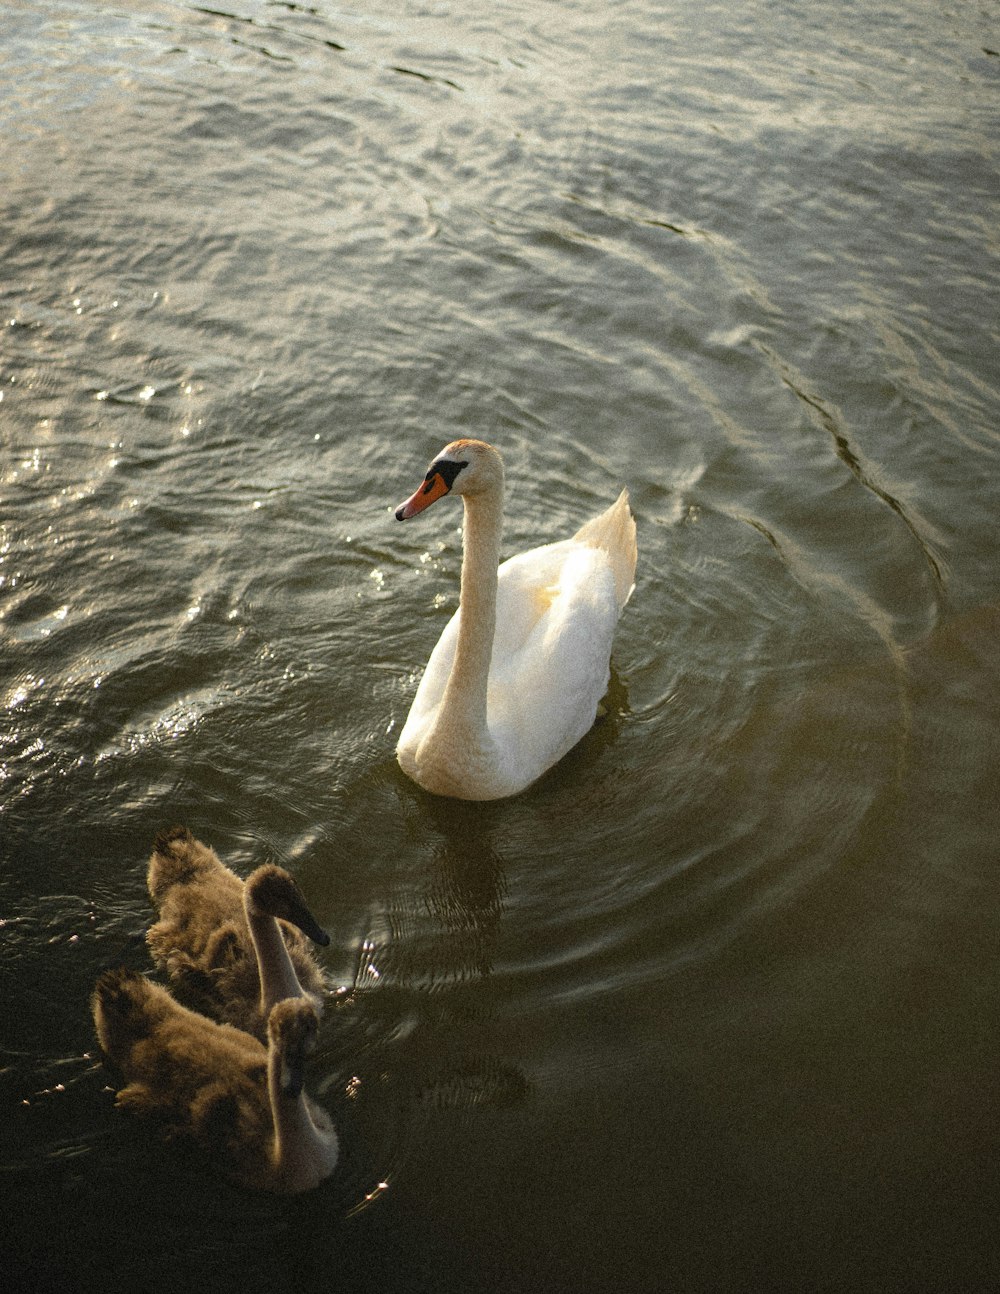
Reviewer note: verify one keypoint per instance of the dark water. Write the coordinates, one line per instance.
(713, 1007)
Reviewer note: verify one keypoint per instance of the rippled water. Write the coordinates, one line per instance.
(713, 1006)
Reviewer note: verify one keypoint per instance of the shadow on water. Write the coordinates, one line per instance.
(436, 965)
(466, 882)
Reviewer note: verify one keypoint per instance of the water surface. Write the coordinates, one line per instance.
(712, 1006)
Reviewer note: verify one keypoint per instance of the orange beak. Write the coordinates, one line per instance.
(431, 489)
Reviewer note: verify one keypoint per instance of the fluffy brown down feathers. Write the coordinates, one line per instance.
(209, 1084)
(202, 940)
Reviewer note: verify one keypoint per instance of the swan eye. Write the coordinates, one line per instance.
(447, 469)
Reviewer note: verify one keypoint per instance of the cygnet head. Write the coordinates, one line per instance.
(271, 892)
(467, 467)
(292, 1027)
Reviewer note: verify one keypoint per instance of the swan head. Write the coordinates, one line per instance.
(467, 467)
(291, 1029)
(271, 892)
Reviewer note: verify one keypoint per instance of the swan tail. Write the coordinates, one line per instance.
(177, 858)
(614, 532)
(120, 1006)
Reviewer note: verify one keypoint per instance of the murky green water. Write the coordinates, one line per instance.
(713, 1006)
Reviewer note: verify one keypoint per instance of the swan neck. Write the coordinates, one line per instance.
(274, 966)
(465, 695)
(297, 1142)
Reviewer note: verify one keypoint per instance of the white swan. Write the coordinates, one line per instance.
(517, 675)
(231, 949)
(217, 1087)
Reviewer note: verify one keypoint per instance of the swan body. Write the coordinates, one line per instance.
(217, 1087)
(230, 949)
(516, 677)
